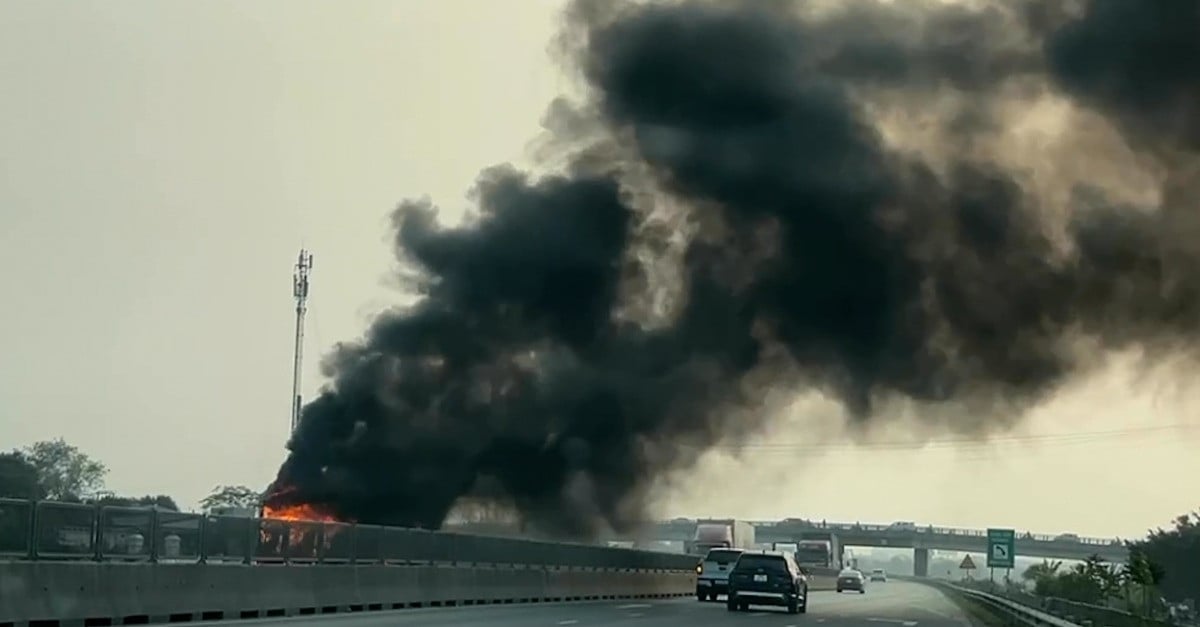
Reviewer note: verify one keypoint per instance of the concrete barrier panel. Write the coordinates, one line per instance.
(69, 593)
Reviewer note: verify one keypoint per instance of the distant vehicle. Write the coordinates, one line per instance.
(731, 534)
(767, 578)
(851, 580)
(878, 575)
(903, 526)
(815, 553)
(712, 575)
(1067, 537)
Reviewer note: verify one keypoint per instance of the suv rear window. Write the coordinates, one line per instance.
(722, 556)
(773, 563)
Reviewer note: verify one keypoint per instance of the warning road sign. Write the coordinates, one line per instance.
(967, 563)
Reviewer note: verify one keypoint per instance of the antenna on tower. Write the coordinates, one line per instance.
(304, 264)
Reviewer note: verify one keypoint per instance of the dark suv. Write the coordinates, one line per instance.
(767, 578)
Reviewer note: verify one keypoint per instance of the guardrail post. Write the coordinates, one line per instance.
(97, 533)
(253, 528)
(202, 542)
(34, 521)
(154, 535)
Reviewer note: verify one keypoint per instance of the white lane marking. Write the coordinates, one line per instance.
(820, 620)
(906, 623)
(634, 606)
(636, 615)
(759, 614)
(567, 622)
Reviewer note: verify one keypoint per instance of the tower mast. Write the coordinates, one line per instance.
(304, 264)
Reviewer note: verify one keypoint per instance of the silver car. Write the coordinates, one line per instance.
(712, 574)
(851, 579)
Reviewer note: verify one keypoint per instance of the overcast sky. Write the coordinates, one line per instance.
(161, 163)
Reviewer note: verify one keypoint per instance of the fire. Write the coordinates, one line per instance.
(306, 528)
(300, 512)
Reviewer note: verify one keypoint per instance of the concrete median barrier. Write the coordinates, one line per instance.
(46, 594)
(820, 579)
(819, 583)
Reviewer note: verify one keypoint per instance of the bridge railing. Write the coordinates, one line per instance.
(944, 531)
(48, 530)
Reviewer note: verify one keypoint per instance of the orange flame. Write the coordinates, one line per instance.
(302, 535)
(302, 512)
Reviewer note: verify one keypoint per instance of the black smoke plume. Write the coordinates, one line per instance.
(740, 212)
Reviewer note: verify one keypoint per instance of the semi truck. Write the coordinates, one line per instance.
(719, 543)
(729, 534)
(785, 547)
(818, 554)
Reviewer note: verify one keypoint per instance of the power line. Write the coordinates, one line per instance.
(974, 443)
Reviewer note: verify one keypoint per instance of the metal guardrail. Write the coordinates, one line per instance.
(49, 530)
(1099, 616)
(1000, 610)
(1024, 608)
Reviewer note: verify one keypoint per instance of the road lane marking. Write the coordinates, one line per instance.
(636, 615)
(906, 623)
(634, 606)
(567, 622)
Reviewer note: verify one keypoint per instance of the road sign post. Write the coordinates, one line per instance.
(1001, 548)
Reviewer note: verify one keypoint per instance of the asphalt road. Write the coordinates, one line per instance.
(892, 604)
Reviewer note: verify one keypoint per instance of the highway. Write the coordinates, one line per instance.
(891, 604)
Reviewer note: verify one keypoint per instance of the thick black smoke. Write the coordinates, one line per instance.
(818, 252)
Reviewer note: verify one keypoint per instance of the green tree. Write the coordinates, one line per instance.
(1146, 574)
(1172, 558)
(160, 501)
(19, 477)
(231, 496)
(1041, 571)
(65, 473)
(1092, 581)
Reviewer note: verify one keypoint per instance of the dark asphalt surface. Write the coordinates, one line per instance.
(891, 604)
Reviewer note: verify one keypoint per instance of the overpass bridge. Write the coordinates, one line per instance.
(920, 538)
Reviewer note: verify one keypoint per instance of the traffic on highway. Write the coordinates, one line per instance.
(627, 308)
(899, 604)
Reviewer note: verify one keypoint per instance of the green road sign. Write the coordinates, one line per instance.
(1001, 548)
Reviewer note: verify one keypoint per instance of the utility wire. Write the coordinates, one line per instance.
(974, 443)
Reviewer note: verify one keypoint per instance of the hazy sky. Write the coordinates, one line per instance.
(161, 163)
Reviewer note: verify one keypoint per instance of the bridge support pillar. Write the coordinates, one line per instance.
(921, 562)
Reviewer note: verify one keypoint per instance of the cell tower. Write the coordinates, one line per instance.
(304, 265)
